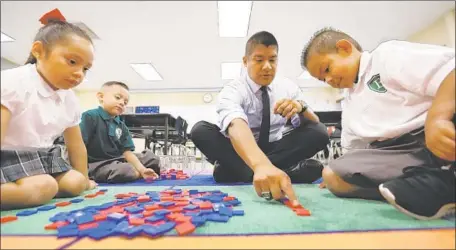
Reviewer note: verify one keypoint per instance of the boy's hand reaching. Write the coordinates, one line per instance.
(148, 174)
(440, 139)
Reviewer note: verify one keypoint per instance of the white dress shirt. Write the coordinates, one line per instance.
(241, 98)
(38, 113)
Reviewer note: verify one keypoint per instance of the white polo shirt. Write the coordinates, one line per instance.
(396, 85)
(38, 113)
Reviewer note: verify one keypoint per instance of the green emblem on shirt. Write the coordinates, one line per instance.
(118, 133)
(376, 85)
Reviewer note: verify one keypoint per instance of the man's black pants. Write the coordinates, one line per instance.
(299, 144)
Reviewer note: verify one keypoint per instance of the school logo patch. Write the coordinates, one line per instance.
(376, 85)
(118, 132)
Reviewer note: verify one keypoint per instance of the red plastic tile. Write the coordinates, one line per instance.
(63, 204)
(8, 219)
(185, 228)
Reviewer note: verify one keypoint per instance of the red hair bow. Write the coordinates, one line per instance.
(54, 14)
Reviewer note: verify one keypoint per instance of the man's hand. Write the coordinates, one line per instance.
(440, 139)
(91, 185)
(148, 174)
(287, 108)
(268, 178)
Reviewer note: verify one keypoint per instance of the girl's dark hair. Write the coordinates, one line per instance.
(55, 31)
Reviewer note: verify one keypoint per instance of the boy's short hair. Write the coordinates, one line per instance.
(324, 41)
(112, 83)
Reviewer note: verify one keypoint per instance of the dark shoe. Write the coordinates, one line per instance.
(217, 174)
(226, 175)
(306, 171)
(421, 192)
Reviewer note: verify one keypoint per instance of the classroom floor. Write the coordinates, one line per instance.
(334, 223)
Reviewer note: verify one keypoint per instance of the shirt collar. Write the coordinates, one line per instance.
(106, 116)
(364, 62)
(254, 86)
(43, 87)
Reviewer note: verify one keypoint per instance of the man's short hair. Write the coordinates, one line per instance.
(262, 37)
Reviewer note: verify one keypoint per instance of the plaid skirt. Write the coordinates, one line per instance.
(19, 163)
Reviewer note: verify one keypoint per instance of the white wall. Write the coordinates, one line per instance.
(440, 32)
(6, 64)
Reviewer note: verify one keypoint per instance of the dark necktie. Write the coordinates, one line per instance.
(263, 141)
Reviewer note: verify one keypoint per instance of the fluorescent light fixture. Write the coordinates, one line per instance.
(6, 38)
(305, 75)
(234, 18)
(146, 71)
(231, 70)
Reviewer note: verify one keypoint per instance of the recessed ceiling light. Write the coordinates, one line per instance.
(146, 71)
(6, 38)
(231, 70)
(234, 18)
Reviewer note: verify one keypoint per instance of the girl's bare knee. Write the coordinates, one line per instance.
(71, 183)
(43, 190)
(28, 192)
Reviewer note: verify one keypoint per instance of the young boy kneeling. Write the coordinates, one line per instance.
(397, 122)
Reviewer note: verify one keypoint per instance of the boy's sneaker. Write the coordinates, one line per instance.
(423, 193)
